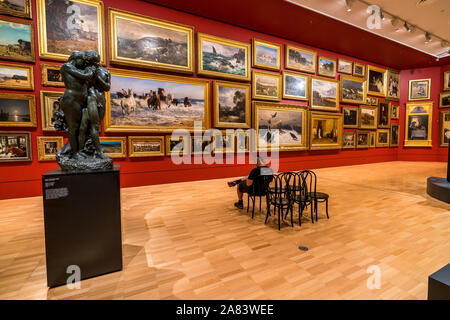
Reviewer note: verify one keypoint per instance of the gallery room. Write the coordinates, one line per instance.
(224, 150)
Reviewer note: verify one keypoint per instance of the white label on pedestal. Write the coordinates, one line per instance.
(51, 194)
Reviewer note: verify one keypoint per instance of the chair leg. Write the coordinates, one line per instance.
(253, 209)
(312, 209)
(267, 214)
(279, 217)
(292, 216)
(326, 207)
(248, 201)
(300, 212)
(259, 203)
(316, 206)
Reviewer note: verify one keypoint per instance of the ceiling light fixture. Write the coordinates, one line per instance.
(349, 4)
(428, 38)
(395, 23)
(407, 28)
(412, 29)
(382, 17)
(444, 44)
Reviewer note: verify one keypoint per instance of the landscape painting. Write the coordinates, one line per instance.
(141, 146)
(393, 85)
(148, 42)
(327, 67)
(300, 59)
(418, 124)
(350, 117)
(51, 75)
(48, 147)
(16, 40)
(17, 8)
(266, 55)
(345, 66)
(445, 128)
(282, 124)
(148, 102)
(295, 86)
(444, 100)
(376, 81)
(368, 117)
(14, 76)
(324, 94)
(17, 110)
(326, 131)
(66, 26)
(223, 58)
(266, 86)
(15, 146)
(419, 89)
(114, 147)
(353, 90)
(232, 107)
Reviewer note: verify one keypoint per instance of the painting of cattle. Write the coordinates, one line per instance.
(16, 40)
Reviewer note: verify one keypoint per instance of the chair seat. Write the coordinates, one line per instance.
(302, 199)
(318, 195)
(272, 190)
(278, 202)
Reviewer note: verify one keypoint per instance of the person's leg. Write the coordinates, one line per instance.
(234, 183)
(241, 189)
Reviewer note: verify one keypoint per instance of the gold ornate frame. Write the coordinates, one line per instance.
(300, 75)
(44, 76)
(441, 100)
(428, 106)
(133, 139)
(321, 72)
(248, 114)
(441, 132)
(352, 126)
(220, 150)
(384, 72)
(268, 44)
(30, 76)
(311, 96)
(368, 134)
(287, 65)
(45, 109)
(389, 72)
(317, 115)
(390, 135)
(354, 139)
(373, 134)
(395, 106)
(29, 145)
(447, 80)
(256, 74)
(364, 68)
(355, 79)
(123, 146)
(375, 126)
(389, 114)
(187, 145)
(27, 14)
(31, 26)
(410, 97)
(32, 108)
(346, 61)
(383, 145)
(41, 147)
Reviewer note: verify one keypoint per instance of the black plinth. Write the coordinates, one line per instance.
(82, 223)
(439, 188)
(439, 284)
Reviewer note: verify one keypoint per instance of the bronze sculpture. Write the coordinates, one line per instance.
(82, 111)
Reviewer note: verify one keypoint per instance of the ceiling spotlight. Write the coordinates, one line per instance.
(382, 17)
(444, 44)
(349, 4)
(428, 37)
(395, 23)
(407, 28)
(412, 29)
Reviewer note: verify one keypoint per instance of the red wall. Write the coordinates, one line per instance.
(24, 179)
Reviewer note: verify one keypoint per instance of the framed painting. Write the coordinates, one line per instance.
(15, 146)
(384, 114)
(444, 100)
(16, 40)
(447, 80)
(150, 102)
(359, 69)
(326, 130)
(142, 41)
(280, 126)
(372, 137)
(393, 85)
(324, 94)
(17, 77)
(232, 108)
(49, 104)
(245, 141)
(266, 86)
(395, 111)
(114, 147)
(202, 144)
(418, 124)
(363, 139)
(66, 26)
(345, 66)
(348, 140)
(419, 89)
(48, 147)
(16, 8)
(353, 90)
(445, 128)
(368, 117)
(51, 76)
(223, 142)
(382, 138)
(326, 67)
(351, 117)
(371, 101)
(394, 135)
(295, 86)
(17, 110)
(266, 55)
(376, 81)
(178, 145)
(223, 58)
(299, 59)
(140, 146)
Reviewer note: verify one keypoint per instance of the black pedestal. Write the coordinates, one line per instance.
(439, 188)
(82, 223)
(439, 284)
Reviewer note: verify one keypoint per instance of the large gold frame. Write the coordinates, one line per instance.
(356, 79)
(360, 125)
(42, 25)
(133, 139)
(300, 75)
(46, 117)
(41, 148)
(113, 14)
(429, 111)
(286, 60)
(248, 107)
(441, 131)
(123, 146)
(276, 46)
(410, 98)
(266, 74)
(28, 14)
(157, 77)
(30, 24)
(311, 96)
(30, 76)
(259, 105)
(325, 116)
(32, 107)
(44, 76)
(384, 72)
(200, 71)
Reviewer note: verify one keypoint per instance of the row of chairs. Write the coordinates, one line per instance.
(284, 190)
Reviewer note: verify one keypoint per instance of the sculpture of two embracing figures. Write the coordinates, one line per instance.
(81, 111)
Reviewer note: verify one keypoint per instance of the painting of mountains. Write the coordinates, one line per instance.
(324, 94)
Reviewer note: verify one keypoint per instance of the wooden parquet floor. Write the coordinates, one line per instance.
(187, 241)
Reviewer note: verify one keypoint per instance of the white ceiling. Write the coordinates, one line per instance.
(430, 15)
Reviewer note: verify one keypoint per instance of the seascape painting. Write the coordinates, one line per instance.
(16, 40)
(295, 86)
(17, 110)
(15, 146)
(222, 58)
(16, 77)
(232, 105)
(111, 146)
(324, 94)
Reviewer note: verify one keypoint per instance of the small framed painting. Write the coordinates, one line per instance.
(353, 89)
(202, 144)
(327, 67)
(300, 59)
(245, 141)
(445, 128)
(49, 105)
(17, 77)
(447, 80)
(419, 89)
(266, 55)
(373, 136)
(384, 114)
(114, 147)
(444, 100)
(394, 134)
(362, 139)
(48, 147)
(382, 138)
(51, 75)
(295, 86)
(223, 142)
(232, 107)
(16, 39)
(17, 110)
(368, 117)
(395, 111)
(376, 81)
(15, 146)
(348, 140)
(16, 8)
(141, 146)
(351, 117)
(324, 94)
(393, 85)
(266, 86)
(326, 130)
(418, 124)
(178, 145)
(371, 101)
(345, 66)
(359, 70)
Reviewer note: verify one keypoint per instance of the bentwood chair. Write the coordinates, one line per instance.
(279, 197)
(300, 194)
(316, 197)
(259, 189)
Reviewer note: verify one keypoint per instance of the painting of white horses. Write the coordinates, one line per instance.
(149, 102)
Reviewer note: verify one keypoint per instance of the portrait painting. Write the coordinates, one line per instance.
(141, 146)
(51, 76)
(232, 107)
(447, 80)
(17, 110)
(362, 139)
(351, 116)
(419, 89)
(324, 94)
(15, 146)
(69, 25)
(384, 114)
(223, 58)
(178, 145)
(445, 128)
(17, 77)
(48, 147)
(353, 89)
(376, 81)
(300, 59)
(394, 135)
(327, 67)
(372, 138)
(326, 130)
(266, 55)
(382, 138)
(395, 111)
(114, 147)
(295, 86)
(146, 102)
(49, 105)
(280, 126)
(418, 124)
(16, 40)
(348, 140)
(393, 85)
(17, 8)
(368, 117)
(149, 42)
(266, 86)
(359, 70)
(345, 66)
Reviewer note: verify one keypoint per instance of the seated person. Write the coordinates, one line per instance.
(245, 185)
